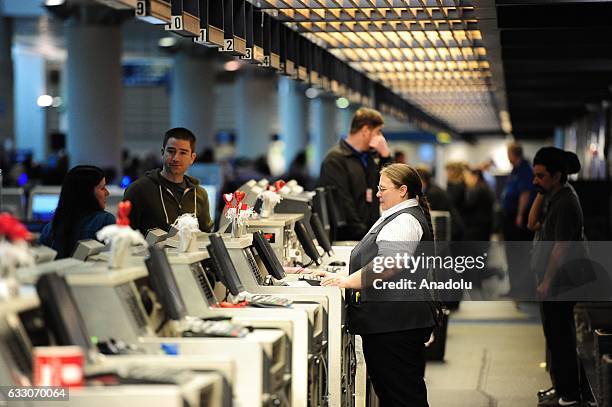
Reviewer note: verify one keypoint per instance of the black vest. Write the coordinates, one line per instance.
(370, 317)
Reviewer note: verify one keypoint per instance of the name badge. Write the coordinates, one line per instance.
(369, 196)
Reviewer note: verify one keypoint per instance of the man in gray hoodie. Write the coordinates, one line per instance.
(162, 195)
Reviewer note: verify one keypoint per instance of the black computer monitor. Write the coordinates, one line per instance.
(61, 313)
(164, 284)
(223, 262)
(267, 256)
(306, 242)
(320, 234)
(319, 206)
(337, 217)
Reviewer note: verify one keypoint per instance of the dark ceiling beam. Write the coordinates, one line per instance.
(554, 15)
(565, 36)
(560, 52)
(558, 65)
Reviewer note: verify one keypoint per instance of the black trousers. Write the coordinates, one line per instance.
(560, 333)
(396, 366)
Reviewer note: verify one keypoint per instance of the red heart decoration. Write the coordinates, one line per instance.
(239, 196)
(123, 212)
(279, 184)
(228, 198)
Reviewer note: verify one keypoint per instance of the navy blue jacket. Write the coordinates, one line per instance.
(86, 228)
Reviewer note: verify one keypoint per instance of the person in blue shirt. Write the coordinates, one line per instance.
(516, 200)
(80, 211)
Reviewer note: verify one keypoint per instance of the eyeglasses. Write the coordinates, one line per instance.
(383, 189)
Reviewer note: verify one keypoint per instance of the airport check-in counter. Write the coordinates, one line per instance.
(339, 343)
(22, 326)
(111, 302)
(302, 323)
(278, 230)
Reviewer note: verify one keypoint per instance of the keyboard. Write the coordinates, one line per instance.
(310, 279)
(136, 374)
(264, 301)
(195, 327)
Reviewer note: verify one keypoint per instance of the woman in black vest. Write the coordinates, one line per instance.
(394, 324)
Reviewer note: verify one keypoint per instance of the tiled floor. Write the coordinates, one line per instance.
(493, 358)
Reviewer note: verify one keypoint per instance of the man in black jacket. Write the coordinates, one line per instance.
(352, 167)
(161, 196)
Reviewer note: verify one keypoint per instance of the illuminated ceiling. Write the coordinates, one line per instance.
(430, 52)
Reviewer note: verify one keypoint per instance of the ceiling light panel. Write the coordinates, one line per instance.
(430, 52)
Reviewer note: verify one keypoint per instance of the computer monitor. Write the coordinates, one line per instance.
(42, 206)
(306, 241)
(164, 284)
(61, 312)
(114, 198)
(224, 265)
(207, 173)
(320, 233)
(337, 217)
(251, 191)
(212, 191)
(13, 201)
(267, 256)
(319, 206)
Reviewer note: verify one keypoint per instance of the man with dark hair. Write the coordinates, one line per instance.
(352, 167)
(559, 235)
(162, 195)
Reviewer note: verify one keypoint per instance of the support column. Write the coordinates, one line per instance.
(254, 101)
(192, 98)
(30, 119)
(293, 114)
(324, 134)
(6, 79)
(95, 134)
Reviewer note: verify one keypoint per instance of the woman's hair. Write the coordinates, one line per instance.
(478, 174)
(76, 201)
(454, 171)
(403, 174)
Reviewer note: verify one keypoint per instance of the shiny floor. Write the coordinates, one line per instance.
(494, 357)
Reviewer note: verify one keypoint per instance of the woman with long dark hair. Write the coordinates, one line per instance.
(80, 211)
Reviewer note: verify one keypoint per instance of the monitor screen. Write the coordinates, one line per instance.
(320, 207)
(306, 241)
(267, 256)
(212, 192)
(61, 312)
(114, 198)
(222, 261)
(164, 284)
(13, 202)
(43, 206)
(320, 232)
(337, 219)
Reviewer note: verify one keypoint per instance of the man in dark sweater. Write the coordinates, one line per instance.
(352, 167)
(561, 237)
(162, 195)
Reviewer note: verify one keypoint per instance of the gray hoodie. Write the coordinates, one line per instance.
(154, 205)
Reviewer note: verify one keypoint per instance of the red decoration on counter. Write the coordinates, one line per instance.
(12, 229)
(123, 213)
